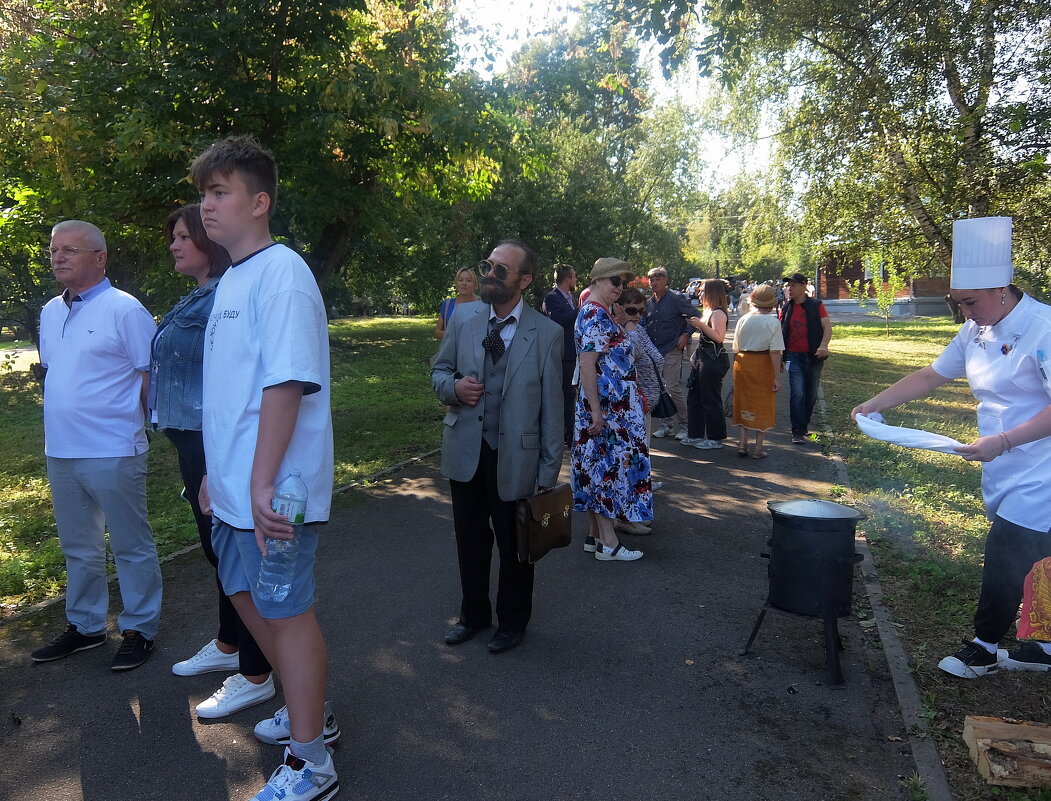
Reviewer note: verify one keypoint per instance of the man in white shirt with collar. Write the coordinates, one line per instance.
(95, 344)
(499, 369)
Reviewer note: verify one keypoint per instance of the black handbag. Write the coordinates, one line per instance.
(665, 406)
(544, 521)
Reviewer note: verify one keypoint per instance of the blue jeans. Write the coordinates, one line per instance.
(804, 375)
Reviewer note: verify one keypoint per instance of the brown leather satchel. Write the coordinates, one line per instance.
(544, 522)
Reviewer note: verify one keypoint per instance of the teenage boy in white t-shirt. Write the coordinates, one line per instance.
(266, 412)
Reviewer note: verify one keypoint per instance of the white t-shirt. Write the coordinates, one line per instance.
(268, 326)
(95, 354)
(758, 332)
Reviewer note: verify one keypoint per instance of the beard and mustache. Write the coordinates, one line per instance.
(494, 292)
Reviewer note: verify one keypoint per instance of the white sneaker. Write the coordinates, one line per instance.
(630, 528)
(656, 485)
(683, 434)
(618, 554)
(662, 431)
(278, 731)
(707, 444)
(208, 660)
(299, 780)
(237, 693)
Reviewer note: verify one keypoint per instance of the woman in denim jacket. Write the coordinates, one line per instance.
(175, 408)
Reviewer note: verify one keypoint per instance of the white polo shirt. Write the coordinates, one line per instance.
(95, 351)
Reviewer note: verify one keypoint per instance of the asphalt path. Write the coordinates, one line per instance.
(629, 684)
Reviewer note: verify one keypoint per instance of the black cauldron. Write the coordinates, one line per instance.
(812, 557)
(811, 568)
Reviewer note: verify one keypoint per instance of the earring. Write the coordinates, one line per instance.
(1003, 298)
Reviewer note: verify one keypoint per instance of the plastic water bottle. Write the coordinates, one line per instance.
(278, 566)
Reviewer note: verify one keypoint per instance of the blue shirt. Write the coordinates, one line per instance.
(664, 319)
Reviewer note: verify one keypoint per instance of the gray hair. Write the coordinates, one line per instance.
(90, 232)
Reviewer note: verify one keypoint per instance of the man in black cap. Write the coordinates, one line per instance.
(807, 331)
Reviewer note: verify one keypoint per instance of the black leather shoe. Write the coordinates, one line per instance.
(459, 634)
(505, 640)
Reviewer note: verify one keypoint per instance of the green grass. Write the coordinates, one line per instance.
(383, 412)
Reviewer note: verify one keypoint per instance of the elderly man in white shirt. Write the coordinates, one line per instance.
(95, 344)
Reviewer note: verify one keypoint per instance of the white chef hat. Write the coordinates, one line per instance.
(981, 253)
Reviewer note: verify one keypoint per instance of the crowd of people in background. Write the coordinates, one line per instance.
(627, 342)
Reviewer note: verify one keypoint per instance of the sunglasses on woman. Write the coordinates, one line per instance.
(616, 280)
(633, 311)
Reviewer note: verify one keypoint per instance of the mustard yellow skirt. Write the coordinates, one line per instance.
(755, 402)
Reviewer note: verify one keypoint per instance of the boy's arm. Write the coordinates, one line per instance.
(277, 420)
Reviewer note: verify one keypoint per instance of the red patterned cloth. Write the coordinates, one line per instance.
(1035, 620)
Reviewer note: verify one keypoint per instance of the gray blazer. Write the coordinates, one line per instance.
(531, 431)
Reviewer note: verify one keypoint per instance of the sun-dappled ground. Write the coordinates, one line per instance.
(925, 519)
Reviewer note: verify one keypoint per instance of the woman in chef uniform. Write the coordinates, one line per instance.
(1002, 350)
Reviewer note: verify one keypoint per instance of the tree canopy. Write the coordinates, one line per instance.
(891, 119)
(397, 165)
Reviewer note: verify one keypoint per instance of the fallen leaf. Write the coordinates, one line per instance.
(689, 661)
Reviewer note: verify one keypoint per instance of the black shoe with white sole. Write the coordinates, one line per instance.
(970, 662)
(1027, 656)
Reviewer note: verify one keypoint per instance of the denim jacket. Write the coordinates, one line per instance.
(177, 369)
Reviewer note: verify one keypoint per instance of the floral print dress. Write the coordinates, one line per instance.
(610, 472)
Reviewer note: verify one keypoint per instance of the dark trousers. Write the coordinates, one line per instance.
(804, 375)
(569, 397)
(704, 400)
(1010, 553)
(479, 516)
(190, 447)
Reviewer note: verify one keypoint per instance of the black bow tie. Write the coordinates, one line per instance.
(493, 342)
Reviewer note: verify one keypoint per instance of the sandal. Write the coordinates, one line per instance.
(759, 453)
(742, 452)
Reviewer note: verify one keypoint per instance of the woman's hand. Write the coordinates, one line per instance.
(983, 449)
(777, 384)
(598, 422)
(866, 408)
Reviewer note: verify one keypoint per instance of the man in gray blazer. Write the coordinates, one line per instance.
(499, 369)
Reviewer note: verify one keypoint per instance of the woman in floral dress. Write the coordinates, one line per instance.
(610, 470)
